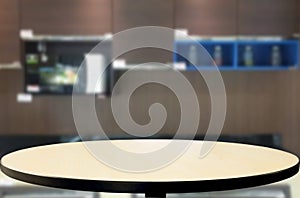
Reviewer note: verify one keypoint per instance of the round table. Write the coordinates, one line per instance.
(228, 166)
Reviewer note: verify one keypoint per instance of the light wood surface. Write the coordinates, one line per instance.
(226, 160)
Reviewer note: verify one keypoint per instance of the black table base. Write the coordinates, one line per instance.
(155, 195)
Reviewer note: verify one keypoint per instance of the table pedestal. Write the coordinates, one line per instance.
(155, 195)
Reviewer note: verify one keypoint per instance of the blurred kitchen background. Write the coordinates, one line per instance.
(255, 43)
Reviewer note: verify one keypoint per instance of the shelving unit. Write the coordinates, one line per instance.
(51, 64)
(182, 47)
(233, 52)
(262, 52)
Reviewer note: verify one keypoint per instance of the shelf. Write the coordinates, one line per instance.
(49, 38)
(233, 54)
(57, 74)
(144, 67)
(183, 47)
(265, 68)
(240, 68)
(221, 68)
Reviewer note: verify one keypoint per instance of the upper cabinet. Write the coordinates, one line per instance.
(267, 17)
(242, 17)
(298, 16)
(207, 17)
(133, 13)
(77, 17)
(9, 31)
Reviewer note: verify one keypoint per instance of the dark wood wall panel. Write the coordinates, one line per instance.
(22, 117)
(251, 105)
(134, 13)
(298, 16)
(66, 16)
(267, 17)
(207, 17)
(59, 115)
(289, 109)
(270, 105)
(4, 93)
(9, 31)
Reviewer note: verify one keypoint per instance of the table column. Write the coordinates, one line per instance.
(155, 195)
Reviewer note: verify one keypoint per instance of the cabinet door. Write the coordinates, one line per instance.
(79, 17)
(267, 17)
(9, 31)
(207, 17)
(135, 13)
(4, 92)
(298, 16)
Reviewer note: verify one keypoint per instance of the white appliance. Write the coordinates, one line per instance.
(95, 74)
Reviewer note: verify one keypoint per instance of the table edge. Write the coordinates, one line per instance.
(154, 186)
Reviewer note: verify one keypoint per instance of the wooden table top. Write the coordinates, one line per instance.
(227, 166)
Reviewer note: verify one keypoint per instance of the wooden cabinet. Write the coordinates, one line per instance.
(4, 90)
(135, 13)
(9, 52)
(298, 16)
(77, 17)
(267, 17)
(243, 17)
(9, 31)
(207, 17)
